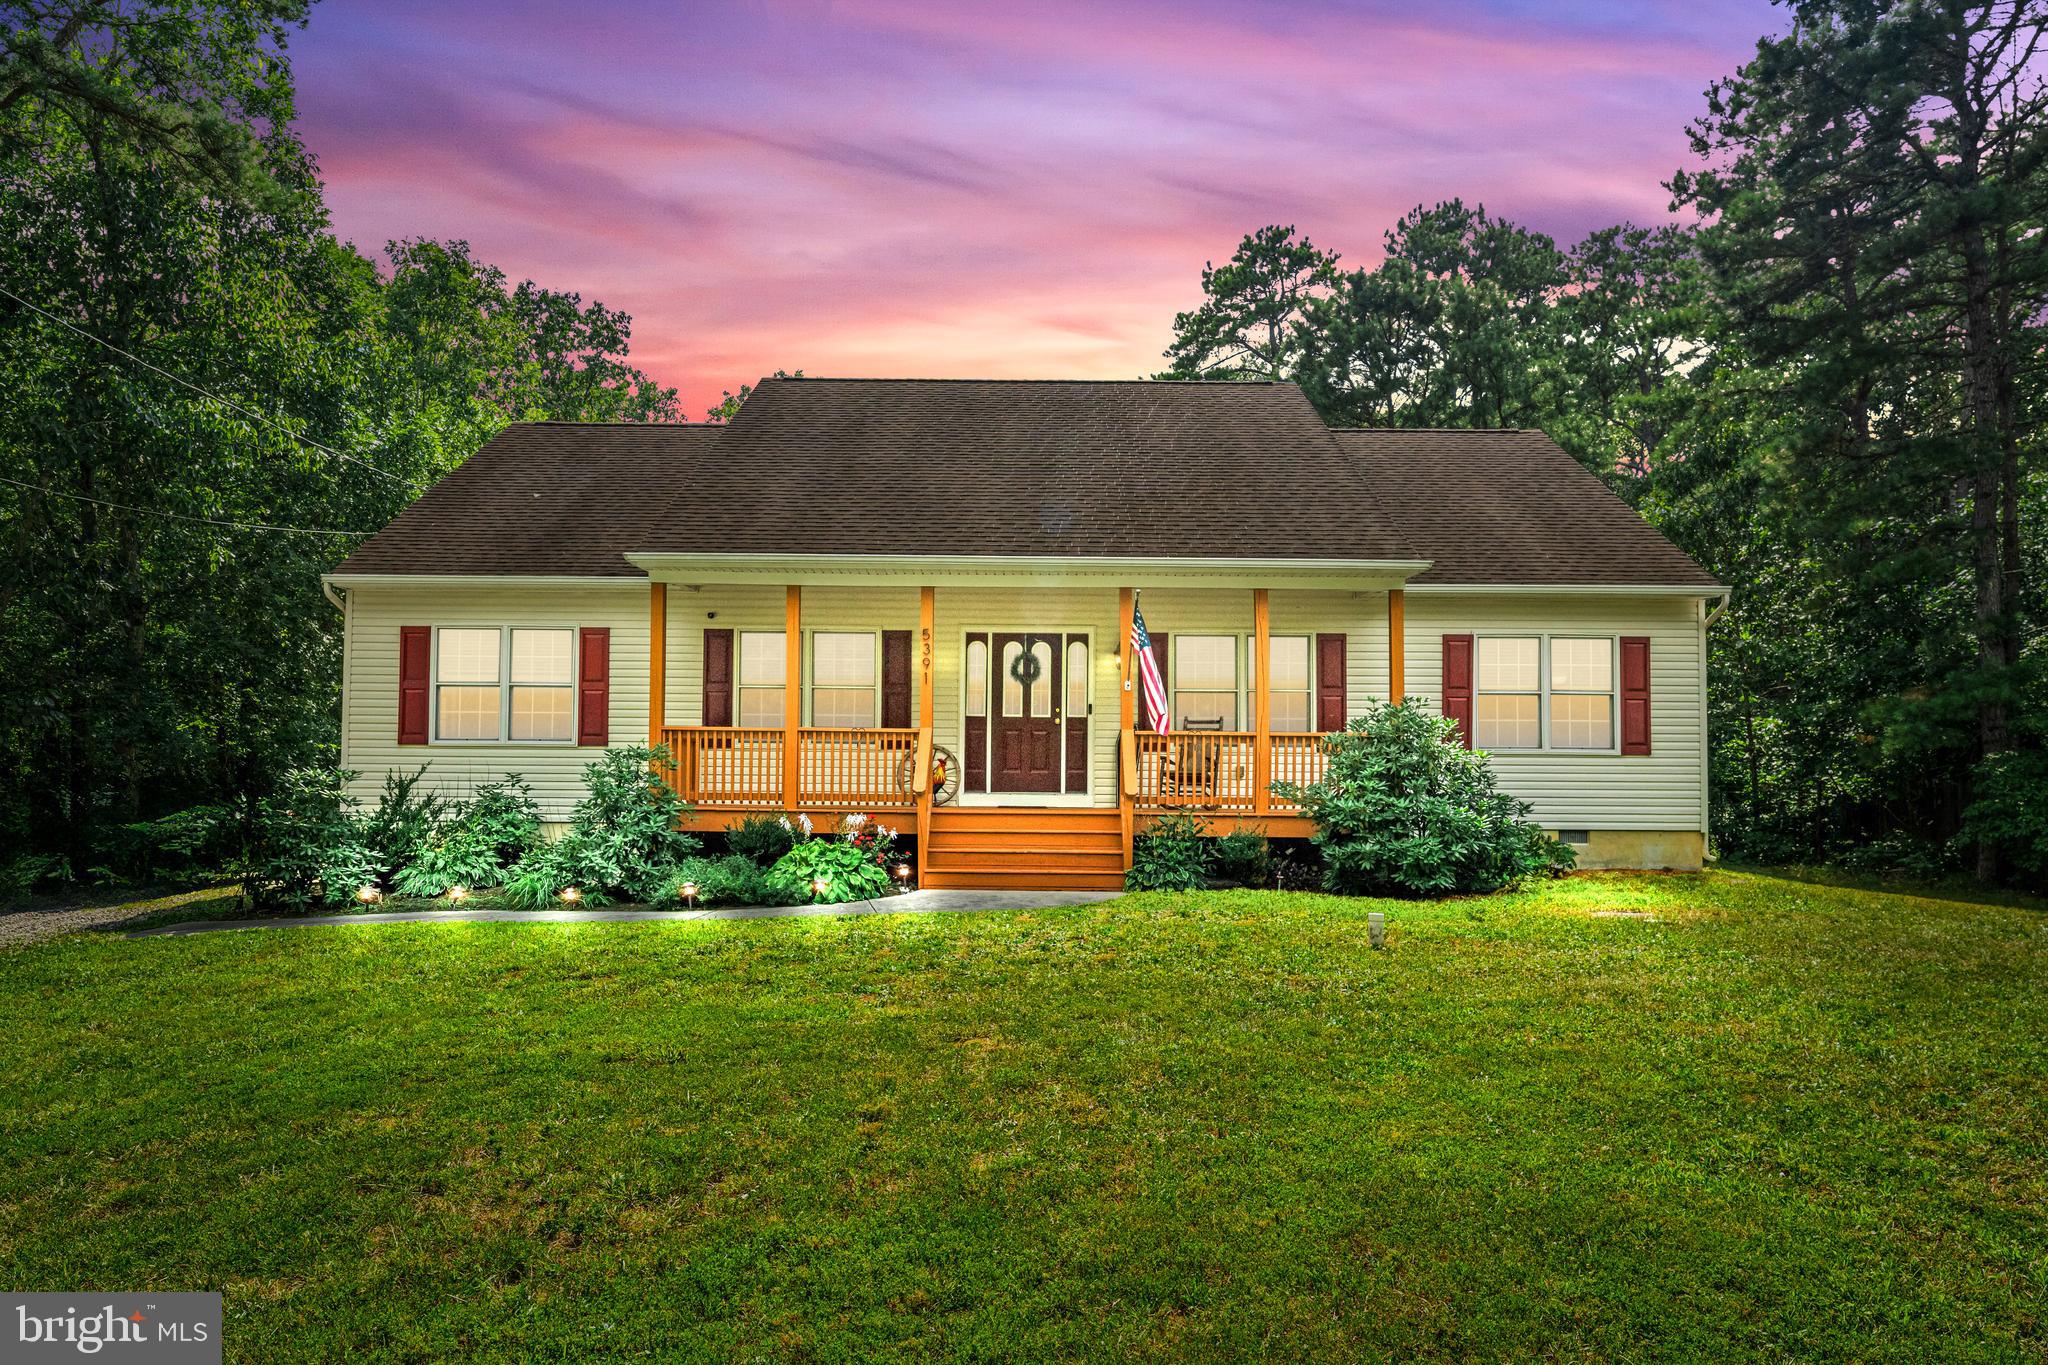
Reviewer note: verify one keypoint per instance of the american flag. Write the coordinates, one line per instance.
(1149, 681)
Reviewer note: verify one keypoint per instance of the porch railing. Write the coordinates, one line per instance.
(1216, 769)
(724, 765)
(855, 767)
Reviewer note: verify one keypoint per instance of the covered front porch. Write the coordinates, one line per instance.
(1007, 715)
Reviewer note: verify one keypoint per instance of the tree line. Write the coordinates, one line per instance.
(1824, 381)
(1822, 377)
(205, 400)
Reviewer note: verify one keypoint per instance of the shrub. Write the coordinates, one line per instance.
(21, 875)
(622, 840)
(307, 844)
(404, 821)
(762, 839)
(1243, 856)
(848, 872)
(731, 880)
(1173, 855)
(474, 843)
(504, 818)
(1404, 809)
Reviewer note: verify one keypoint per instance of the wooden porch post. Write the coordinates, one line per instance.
(1127, 726)
(792, 695)
(657, 661)
(1397, 643)
(927, 645)
(1262, 702)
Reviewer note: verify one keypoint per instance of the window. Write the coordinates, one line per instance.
(764, 674)
(977, 677)
(1292, 694)
(543, 685)
(1581, 693)
(1505, 711)
(1544, 692)
(1205, 681)
(843, 674)
(492, 684)
(1077, 680)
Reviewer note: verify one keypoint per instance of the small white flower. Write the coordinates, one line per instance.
(856, 820)
(784, 822)
(805, 821)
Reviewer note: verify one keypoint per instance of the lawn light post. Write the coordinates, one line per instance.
(689, 890)
(1376, 929)
(819, 887)
(902, 877)
(369, 895)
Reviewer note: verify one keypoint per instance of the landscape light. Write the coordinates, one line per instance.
(571, 894)
(903, 872)
(456, 893)
(689, 893)
(367, 894)
(1376, 929)
(821, 886)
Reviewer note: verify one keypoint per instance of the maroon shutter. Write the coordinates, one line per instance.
(975, 731)
(594, 688)
(1332, 692)
(717, 678)
(415, 647)
(1159, 656)
(1458, 684)
(1635, 694)
(896, 679)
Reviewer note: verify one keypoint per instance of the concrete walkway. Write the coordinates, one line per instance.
(914, 903)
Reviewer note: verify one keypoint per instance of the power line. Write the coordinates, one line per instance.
(207, 394)
(180, 516)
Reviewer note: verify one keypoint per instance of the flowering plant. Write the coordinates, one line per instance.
(875, 840)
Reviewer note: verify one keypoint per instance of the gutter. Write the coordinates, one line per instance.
(1715, 614)
(327, 590)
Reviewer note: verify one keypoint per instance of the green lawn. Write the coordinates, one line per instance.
(1780, 1120)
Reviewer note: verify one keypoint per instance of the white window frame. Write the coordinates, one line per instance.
(740, 687)
(1239, 675)
(874, 634)
(1544, 690)
(504, 685)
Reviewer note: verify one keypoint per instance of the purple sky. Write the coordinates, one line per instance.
(1024, 188)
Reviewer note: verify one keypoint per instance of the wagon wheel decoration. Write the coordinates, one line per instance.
(945, 775)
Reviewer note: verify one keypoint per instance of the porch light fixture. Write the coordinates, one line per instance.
(368, 895)
(457, 893)
(571, 894)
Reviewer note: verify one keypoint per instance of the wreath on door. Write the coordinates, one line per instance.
(1025, 668)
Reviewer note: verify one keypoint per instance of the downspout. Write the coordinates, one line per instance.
(1715, 614)
(327, 591)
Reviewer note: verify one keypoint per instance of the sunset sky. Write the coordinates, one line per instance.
(1029, 188)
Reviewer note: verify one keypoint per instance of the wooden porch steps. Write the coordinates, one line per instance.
(987, 849)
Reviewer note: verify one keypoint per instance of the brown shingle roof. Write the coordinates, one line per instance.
(545, 498)
(1510, 507)
(1025, 468)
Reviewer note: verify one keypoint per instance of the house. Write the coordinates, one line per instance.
(914, 598)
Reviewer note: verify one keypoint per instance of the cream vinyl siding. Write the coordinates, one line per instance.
(1661, 790)
(369, 730)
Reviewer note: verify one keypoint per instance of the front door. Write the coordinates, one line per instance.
(1026, 731)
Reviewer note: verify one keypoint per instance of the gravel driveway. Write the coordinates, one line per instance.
(33, 923)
